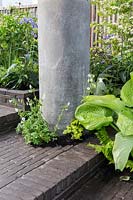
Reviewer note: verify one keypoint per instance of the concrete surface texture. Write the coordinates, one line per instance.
(63, 56)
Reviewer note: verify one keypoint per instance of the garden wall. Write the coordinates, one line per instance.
(20, 96)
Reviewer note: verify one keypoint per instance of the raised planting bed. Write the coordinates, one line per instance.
(20, 96)
(8, 119)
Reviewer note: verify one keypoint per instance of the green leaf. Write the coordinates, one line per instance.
(122, 147)
(109, 101)
(127, 92)
(125, 115)
(125, 123)
(93, 117)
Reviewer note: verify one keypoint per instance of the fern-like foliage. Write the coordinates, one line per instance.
(106, 144)
(103, 136)
(129, 165)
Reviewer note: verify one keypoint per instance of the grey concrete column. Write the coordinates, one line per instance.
(63, 56)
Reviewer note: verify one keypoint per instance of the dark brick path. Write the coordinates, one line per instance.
(106, 184)
(27, 172)
(53, 173)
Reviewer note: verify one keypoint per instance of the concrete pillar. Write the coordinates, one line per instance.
(63, 56)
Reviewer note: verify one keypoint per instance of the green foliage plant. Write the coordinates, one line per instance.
(18, 51)
(98, 112)
(112, 52)
(96, 87)
(20, 75)
(33, 126)
(76, 128)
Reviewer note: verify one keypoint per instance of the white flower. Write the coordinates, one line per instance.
(91, 80)
(100, 80)
(10, 100)
(19, 100)
(16, 109)
(23, 119)
(120, 26)
(30, 86)
(68, 104)
(28, 99)
(89, 75)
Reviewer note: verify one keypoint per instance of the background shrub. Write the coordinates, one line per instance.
(112, 59)
(18, 51)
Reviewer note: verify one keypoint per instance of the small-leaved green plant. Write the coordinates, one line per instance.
(33, 126)
(76, 128)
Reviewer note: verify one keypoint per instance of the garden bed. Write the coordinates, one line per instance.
(20, 96)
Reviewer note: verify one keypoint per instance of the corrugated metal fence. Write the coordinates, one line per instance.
(93, 17)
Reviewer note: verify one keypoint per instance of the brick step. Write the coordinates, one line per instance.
(93, 166)
(107, 184)
(49, 173)
(8, 119)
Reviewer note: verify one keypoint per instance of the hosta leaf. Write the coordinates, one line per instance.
(125, 115)
(127, 92)
(122, 147)
(108, 101)
(93, 117)
(125, 122)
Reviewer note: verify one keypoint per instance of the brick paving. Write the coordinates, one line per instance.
(29, 173)
(105, 185)
(53, 172)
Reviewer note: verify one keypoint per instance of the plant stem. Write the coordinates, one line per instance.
(114, 126)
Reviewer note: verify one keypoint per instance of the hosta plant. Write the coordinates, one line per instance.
(98, 112)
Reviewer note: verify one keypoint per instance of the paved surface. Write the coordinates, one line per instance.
(27, 172)
(105, 185)
(54, 172)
